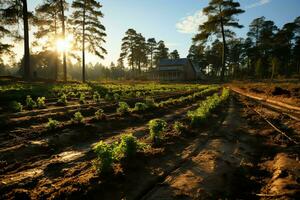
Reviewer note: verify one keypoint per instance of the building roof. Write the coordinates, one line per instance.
(173, 62)
(176, 65)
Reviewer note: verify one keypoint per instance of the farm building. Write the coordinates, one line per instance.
(177, 70)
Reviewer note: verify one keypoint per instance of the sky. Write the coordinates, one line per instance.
(175, 21)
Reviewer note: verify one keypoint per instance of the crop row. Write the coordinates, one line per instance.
(128, 145)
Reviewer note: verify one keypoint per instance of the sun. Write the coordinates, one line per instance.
(64, 45)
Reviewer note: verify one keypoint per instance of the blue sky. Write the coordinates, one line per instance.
(174, 21)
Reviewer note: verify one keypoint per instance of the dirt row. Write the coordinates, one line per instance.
(24, 174)
(236, 155)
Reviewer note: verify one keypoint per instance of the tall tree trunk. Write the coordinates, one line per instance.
(27, 72)
(83, 43)
(151, 64)
(223, 51)
(64, 37)
(56, 51)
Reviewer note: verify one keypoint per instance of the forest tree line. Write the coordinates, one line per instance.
(268, 51)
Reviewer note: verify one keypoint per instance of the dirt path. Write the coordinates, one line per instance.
(212, 172)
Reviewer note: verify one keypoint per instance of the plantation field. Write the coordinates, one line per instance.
(145, 140)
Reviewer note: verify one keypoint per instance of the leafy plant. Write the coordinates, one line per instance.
(105, 157)
(150, 102)
(128, 146)
(52, 124)
(116, 96)
(62, 100)
(179, 127)
(41, 102)
(82, 98)
(123, 108)
(99, 114)
(30, 103)
(17, 106)
(78, 118)
(108, 97)
(96, 97)
(140, 107)
(156, 127)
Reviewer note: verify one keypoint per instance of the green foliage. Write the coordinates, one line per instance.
(201, 114)
(123, 108)
(116, 96)
(52, 124)
(156, 127)
(128, 146)
(62, 100)
(150, 102)
(105, 157)
(30, 103)
(178, 127)
(140, 107)
(78, 118)
(82, 98)
(17, 106)
(96, 97)
(41, 102)
(99, 114)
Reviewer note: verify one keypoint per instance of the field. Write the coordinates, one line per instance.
(147, 140)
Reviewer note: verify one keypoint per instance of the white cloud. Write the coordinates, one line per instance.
(257, 4)
(190, 24)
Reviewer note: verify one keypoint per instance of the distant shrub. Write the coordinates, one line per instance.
(62, 100)
(123, 108)
(156, 127)
(99, 114)
(52, 124)
(96, 97)
(41, 102)
(178, 127)
(17, 106)
(82, 98)
(105, 157)
(30, 103)
(140, 107)
(78, 118)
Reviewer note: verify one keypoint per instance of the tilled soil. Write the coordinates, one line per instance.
(236, 155)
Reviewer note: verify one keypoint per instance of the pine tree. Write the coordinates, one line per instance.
(162, 52)
(151, 44)
(220, 16)
(174, 55)
(47, 17)
(88, 29)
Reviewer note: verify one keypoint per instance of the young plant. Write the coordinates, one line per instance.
(82, 98)
(128, 146)
(30, 103)
(99, 114)
(116, 96)
(150, 102)
(123, 108)
(105, 157)
(140, 107)
(17, 106)
(41, 102)
(96, 97)
(62, 100)
(156, 127)
(52, 124)
(78, 118)
(178, 127)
